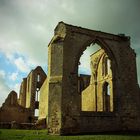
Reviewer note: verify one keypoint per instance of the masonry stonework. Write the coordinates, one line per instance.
(43, 105)
(35, 80)
(105, 101)
(12, 111)
(64, 101)
(22, 94)
(22, 109)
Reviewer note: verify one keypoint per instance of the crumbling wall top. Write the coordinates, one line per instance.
(63, 28)
(11, 99)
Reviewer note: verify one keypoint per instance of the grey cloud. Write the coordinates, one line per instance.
(32, 22)
(4, 90)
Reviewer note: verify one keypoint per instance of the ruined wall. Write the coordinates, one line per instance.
(104, 76)
(29, 89)
(43, 104)
(35, 79)
(65, 114)
(99, 122)
(129, 95)
(54, 83)
(12, 111)
(60, 94)
(22, 93)
(23, 109)
(88, 99)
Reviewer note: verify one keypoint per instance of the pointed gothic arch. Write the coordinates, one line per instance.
(65, 50)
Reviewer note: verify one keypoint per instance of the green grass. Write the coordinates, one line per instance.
(13, 134)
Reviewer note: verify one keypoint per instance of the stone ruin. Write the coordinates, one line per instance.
(22, 110)
(69, 103)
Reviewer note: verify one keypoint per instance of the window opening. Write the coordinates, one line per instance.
(37, 94)
(38, 77)
(36, 113)
(106, 97)
(86, 79)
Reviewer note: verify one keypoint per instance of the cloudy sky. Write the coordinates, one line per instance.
(26, 27)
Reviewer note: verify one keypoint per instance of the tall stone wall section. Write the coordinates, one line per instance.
(12, 111)
(32, 86)
(43, 104)
(22, 93)
(65, 115)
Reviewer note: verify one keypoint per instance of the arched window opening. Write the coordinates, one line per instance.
(85, 59)
(36, 113)
(106, 66)
(108, 90)
(38, 77)
(93, 71)
(37, 94)
(106, 97)
(28, 86)
(86, 79)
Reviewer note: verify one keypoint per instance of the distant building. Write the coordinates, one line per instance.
(24, 109)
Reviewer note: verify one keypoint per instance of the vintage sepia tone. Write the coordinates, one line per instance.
(68, 103)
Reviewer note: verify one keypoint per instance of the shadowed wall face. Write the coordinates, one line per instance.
(117, 89)
(12, 111)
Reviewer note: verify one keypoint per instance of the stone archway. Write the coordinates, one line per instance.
(64, 111)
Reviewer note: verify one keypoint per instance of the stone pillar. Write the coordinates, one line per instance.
(55, 72)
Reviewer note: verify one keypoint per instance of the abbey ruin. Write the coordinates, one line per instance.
(108, 100)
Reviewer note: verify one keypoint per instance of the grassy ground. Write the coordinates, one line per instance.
(11, 134)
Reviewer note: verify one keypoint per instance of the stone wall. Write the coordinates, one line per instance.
(88, 99)
(12, 111)
(22, 110)
(43, 104)
(61, 102)
(99, 122)
(35, 80)
(22, 93)
(65, 50)
(83, 82)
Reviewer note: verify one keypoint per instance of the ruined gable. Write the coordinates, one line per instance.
(12, 111)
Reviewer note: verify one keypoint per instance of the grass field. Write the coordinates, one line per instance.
(12, 134)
